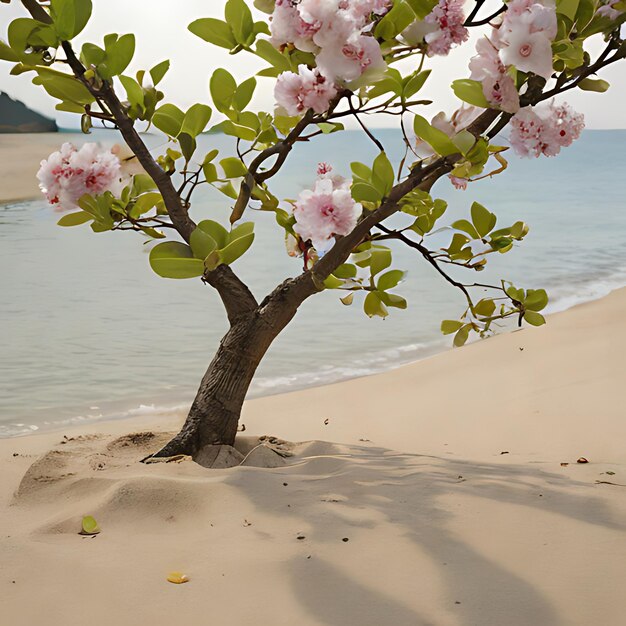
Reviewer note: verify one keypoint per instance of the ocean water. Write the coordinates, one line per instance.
(89, 332)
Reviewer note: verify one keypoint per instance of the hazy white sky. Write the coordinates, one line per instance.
(161, 30)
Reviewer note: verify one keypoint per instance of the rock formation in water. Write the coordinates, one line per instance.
(16, 117)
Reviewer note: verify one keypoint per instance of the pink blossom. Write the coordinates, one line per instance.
(459, 183)
(498, 86)
(325, 211)
(526, 34)
(351, 58)
(288, 27)
(607, 10)
(528, 52)
(545, 129)
(448, 17)
(539, 16)
(67, 175)
(308, 89)
(336, 31)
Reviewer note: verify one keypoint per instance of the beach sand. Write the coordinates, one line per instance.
(446, 492)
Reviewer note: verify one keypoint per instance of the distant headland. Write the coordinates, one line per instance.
(16, 117)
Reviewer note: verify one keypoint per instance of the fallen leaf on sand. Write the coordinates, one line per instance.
(582, 459)
(177, 578)
(90, 526)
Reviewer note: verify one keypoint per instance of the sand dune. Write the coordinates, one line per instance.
(445, 504)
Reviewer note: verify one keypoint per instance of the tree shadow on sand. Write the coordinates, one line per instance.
(353, 492)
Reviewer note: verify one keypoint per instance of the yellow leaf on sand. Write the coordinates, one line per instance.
(90, 526)
(177, 578)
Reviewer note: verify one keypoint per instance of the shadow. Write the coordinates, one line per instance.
(358, 492)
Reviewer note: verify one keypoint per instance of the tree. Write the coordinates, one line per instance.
(330, 60)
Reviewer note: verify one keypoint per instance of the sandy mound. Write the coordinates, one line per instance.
(336, 534)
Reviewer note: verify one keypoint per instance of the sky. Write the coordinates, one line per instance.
(160, 27)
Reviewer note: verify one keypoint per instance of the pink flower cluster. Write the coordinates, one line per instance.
(440, 30)
(326, 210)
(336, 31)
(67, 175)
(498, 86)
(308, 89)
(545, 129)
(448, 17)
(522, 40)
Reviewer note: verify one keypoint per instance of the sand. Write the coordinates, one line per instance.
(445, 492)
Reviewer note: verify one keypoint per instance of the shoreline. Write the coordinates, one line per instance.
(437, 362)
(180, 407)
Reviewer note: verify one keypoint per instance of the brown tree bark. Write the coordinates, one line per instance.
(216, 409)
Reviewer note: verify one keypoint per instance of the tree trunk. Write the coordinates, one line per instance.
(216, 409)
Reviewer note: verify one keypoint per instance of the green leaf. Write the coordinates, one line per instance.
(470, 91)
(187, 145)
(393, 300)
(239, 18)
(119, 53)
(233, 167)
(214, 31)
(534, 319)
(389, 280)
(567, 8)
(89, 526)
(172, 259)
(450, 326)
(382, 174)
(7, 53)
(422, 8)
(158, 72)
(380, 260)
(243, 94)
(70, 16)
(464, 141)
(134, 92)
(196, 119)
(461, 336)
(483, 219)
(236, 248)
(485, 308)
(536, 299)
(236, 130)
(202, 244)
(395, 21)
(75, 219)
(169, 119)
(437, 139)
(360, 170)
(223, 88)
(373, 306)
(589, 84)
(216, 231)
(364, 192)
(414, 84)
(466, 227)
(63, 86)
(346, 270)
(267, 52)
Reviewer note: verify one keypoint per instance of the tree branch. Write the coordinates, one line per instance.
(235, 295)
